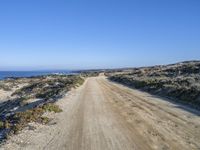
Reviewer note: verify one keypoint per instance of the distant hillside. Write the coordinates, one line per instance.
(180, 81)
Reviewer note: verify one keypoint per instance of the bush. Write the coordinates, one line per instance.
(19, 120)
(177, 81)
(51, 108)
(1, 124)
(48, 88)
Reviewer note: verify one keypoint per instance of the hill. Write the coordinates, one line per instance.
(180, 81)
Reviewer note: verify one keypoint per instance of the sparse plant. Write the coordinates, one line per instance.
(51, 108)
(178, 81)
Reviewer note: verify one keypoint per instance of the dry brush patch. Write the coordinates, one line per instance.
(48, 89)
(19, 120)
(180, 82)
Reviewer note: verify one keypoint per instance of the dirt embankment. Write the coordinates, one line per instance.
(180, 81)
(105, 115)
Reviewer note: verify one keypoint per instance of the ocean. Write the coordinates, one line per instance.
(6, 74)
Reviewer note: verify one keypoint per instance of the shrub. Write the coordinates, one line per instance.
(1, 124)
(51, 108)
(178, 81)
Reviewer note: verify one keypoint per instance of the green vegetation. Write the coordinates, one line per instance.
(180, 82)
(51, 87)
(90, 73)
(4, 87)
(47, 89)
(1, 124)
(19, 120)
(51, 108)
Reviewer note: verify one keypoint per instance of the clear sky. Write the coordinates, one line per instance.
(82, 34)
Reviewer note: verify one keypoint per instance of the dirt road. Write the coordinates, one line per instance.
(101, 115)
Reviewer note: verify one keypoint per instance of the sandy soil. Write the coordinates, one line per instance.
(101, 115)
(5, 95)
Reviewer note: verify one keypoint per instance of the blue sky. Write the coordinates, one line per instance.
(82, 34)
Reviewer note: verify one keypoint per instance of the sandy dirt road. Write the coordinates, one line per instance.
(102, 115)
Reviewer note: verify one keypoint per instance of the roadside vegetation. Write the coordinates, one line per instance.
(19, 120)
(180, 82)
(31, 101)
(89, 73)
(51, 87)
